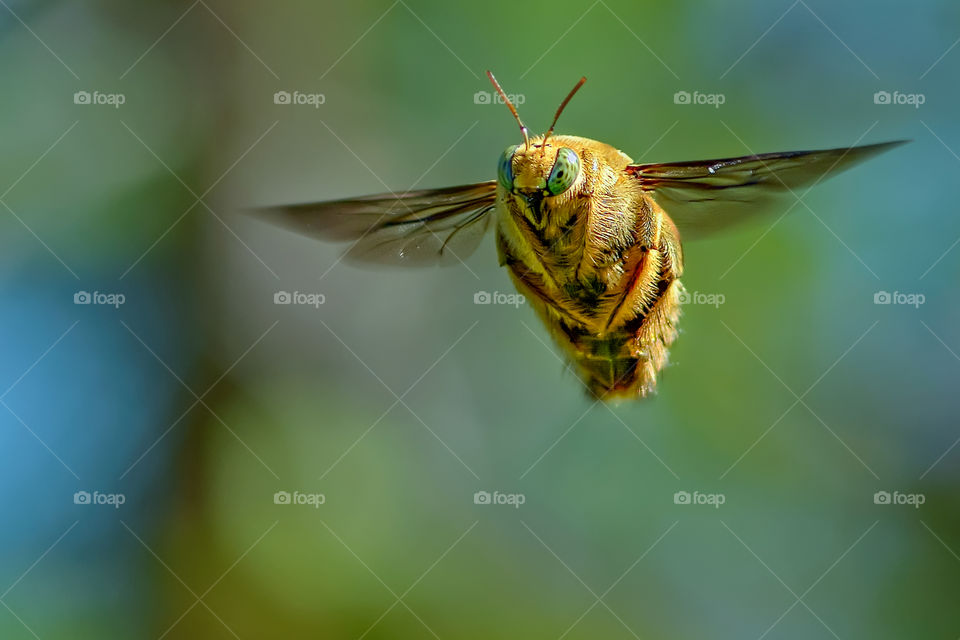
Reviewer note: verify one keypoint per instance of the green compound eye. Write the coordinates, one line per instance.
(505, 168)
(565, 171)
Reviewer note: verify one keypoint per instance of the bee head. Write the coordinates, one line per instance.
(539, 170)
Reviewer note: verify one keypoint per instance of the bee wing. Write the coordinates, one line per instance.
(432, 226)
(703, 197)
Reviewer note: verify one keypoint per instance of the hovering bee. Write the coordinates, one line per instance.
(592, 239)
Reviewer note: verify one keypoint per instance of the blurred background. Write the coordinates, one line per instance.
(184, 456)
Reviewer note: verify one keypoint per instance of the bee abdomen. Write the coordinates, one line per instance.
(625, 363)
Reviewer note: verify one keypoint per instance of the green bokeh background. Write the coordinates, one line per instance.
(198, 399)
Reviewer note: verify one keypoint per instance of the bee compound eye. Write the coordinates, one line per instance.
(565, 171)
(505, 167)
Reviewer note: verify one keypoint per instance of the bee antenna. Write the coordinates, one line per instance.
(561, 107)
(513, 109)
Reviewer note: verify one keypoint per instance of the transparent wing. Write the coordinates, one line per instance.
(432, 226)
(703, 197)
